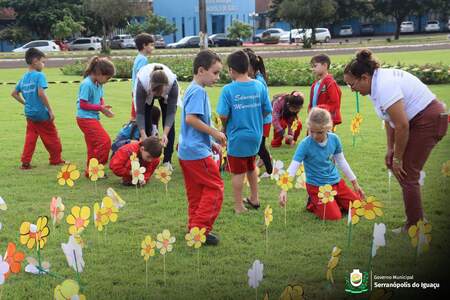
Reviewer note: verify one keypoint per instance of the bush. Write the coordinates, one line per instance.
(281, 71)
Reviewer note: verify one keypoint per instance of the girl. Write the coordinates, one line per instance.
(257, 70)
(90, 102)
(285, 110)
(319, 152)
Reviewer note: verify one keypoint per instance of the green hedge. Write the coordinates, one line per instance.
(281, 71)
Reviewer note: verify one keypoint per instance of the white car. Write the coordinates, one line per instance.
(346, 30)
(407, 27)
(122, 41)
(90, 43)
(43, 45)
(322, 35)
(432, 26)
(273, 32)
(293, 34)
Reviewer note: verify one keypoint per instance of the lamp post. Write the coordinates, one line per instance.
(253, 15)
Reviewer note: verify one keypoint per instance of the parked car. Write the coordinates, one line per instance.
(367, 29)
(192, 41)
(122, 41)
(159, 41)
(407, 27)
(89, 43)
(432, 26)
(272, 32)
(63, 45)
(222, 40)
(321, 35)
(346, 30)
(293, 34)
(43, 45)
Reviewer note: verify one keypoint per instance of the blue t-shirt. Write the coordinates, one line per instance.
(139, 62)
(29, 86)
(244, 104)
(318, 160)
(315, 94)
(92, 93)
(267, 119)
(194, 144)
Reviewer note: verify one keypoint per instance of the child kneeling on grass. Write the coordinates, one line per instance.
(285, 111)
(320, 152)
(148, 152)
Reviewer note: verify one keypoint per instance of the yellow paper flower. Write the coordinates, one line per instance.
(148, 247)
(137, 172)
(356, 204)
(358, 119)
(300, 170)
(100, 218)
(56, 210)
(96, 170)
(196, 237)
(285, 182)
(78, 219)
(111, 212)
(268, 218)
(67, 290)
(30, 234)
(415, 231)
(164, 242)
(217, 122)
(163, 174)
(133, 157)
(293, 292)
(294, 125)
(354, 127)
(370, 208)
(446, 168)
(68, 175)
(332, 263)
(326, 193)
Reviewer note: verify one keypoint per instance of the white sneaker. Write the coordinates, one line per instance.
(399, 230)
(265, 175)
(168, 166)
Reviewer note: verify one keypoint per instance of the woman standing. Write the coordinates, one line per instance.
(415, 122)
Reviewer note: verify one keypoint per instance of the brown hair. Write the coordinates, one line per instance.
(33, 53)
(363, 63)
(158, 78)
(320, 117)
(100, 65)
(256, 62)
(321, 59)
(238, 61)
(294, 99)
(142, 40)
(205, 59)
(153, 146)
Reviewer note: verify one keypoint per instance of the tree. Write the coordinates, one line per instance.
(274, 9)
(307, 14)
(15, 34)
(158, 25)
(134, 28)
(66, 28)
(348, 9)
(239, 30)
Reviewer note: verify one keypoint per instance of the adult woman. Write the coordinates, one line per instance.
(157, 81)
(415, 122)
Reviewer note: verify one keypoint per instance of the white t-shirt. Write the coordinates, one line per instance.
(391, 85)
(143, 76)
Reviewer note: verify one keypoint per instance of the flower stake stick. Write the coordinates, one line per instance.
(146, 273)
(349, 224)
(164, 270)
(389, 185)
(267, 220)
(76, 267)
(198, 263)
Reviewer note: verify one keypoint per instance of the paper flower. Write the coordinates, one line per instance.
(78, 219)
(217, 122)
(332, 263)
(30, 234)
(69, 289)
(293, 292)
(300, 182)
(326, 193)
(370, 208)
(100, 218)
(3, 205)
(358, 118)
(255, 274)
(56, 210)
(354, 127)
(285, 182)
(148, 247)
(163, 174)
(354, 206)
(110, 210)
(117, 200)
(446, 168)
(137, 172)
(32, 266)
(294, 125)
(268, 218)
(133, 157)
(68, 175)
(74, 254)
(4, 269)
(14, 259)
(277, 170)
(196, 237)
(164, 242)
(422, 176)
(96, 170)
(420, 235)
(378, 237)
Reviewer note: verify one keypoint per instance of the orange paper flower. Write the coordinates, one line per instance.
(14, 259)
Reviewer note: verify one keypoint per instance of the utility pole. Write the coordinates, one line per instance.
(203, 30)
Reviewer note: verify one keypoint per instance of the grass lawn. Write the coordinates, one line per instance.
(298, 253)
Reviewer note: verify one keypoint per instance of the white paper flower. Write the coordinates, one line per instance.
(422, 178)
(4, 268)
(255, 274)
(378, 237)
(137, 172)
(278, 166)
(3, 204)
(32, 266)
(74, 254)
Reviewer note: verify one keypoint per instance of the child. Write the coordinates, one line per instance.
(204, 186)
(285, 111)
(148, 152)
(319, 152)
(325, 92)
(144, 43)
(39, 115)
(242, 106)
(257, 70)
(90, 102)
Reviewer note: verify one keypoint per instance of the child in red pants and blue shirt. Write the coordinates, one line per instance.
(320, 152)
(90, 103)
(39, 115)
(204, 186)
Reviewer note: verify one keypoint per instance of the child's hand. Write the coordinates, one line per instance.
(290, 140)
(283, 198)
(219, 137)
(358, 189)
(216, 148)
(106, 110)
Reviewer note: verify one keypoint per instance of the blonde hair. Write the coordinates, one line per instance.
(320, 117)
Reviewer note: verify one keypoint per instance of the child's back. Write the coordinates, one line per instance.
(29, 85)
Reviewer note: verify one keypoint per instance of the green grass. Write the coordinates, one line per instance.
(298, 253)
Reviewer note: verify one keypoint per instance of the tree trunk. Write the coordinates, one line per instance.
(397, 27)
(105, 48)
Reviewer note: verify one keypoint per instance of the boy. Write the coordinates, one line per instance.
(148, 152)
(325, 92)
(204, 186)
(242, 106)
(39, 115)
(144, 43)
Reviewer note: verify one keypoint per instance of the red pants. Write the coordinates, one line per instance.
(46, 130)
(332, 210)
(133, 110)
(278, 136)
(204, 189)
(97, 140)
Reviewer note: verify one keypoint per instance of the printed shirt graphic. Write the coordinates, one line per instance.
(244, 104)
(29, 86)
(92, 93)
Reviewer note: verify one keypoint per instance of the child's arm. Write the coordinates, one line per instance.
(276, 115)
(198, 124)
(16, 95)
(334, 100)
(342, 163)
(120, 163)
(44, 99)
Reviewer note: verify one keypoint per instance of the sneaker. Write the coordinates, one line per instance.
(212, 239)
(399, 230)
(168, 166)
(127, 183)
(26, 166)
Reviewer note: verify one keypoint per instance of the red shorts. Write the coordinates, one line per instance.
(266, 130)
(239, 165)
